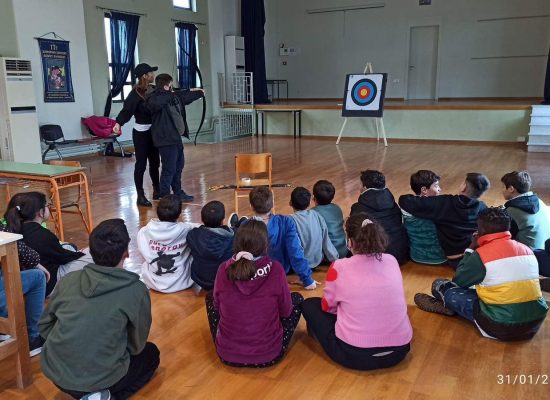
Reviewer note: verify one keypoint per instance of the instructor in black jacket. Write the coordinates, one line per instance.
(135, 106)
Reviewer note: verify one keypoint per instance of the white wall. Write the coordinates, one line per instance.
(66, 17)
(334, 44)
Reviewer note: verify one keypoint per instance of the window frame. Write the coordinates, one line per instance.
(191, 7)
(131, 78)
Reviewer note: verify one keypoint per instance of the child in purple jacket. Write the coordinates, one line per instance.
(251, 312)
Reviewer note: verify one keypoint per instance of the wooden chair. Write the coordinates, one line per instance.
(251, 170)
(15, 325)
(73, 198)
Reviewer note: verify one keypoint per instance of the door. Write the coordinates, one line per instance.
(422, 77)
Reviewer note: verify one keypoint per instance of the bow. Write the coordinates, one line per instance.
(202, 87)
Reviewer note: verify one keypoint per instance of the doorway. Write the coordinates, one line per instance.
(423, 56)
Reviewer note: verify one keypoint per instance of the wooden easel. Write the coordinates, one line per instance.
(379, 122)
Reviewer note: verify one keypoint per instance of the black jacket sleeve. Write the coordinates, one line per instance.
(421, 207)
(187, 96)
(48, 246)
(129, 108)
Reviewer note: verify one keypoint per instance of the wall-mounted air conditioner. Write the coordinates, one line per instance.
(19, 135)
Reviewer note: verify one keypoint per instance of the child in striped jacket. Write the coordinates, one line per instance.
(506, 302)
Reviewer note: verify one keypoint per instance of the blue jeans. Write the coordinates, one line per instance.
(458, 299)
(33, 282)
(172, 160)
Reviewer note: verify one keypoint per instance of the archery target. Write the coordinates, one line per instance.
(364, 96)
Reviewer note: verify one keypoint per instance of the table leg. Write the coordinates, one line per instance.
(294, 115)
(300, 123)
(57, 205)
(90, 225)
(264, 123)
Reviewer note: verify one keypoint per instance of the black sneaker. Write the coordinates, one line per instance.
(545, 284)
(142, 201)
(35, 345)
(156, 193)
(186, 198)
(430, 304)
(101, 395)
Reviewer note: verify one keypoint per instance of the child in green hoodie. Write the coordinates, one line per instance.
(105, 310)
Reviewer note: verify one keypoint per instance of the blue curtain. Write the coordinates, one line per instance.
(252, 27)
(124, 30)
(187, 55)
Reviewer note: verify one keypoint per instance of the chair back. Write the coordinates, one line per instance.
(253, 169)
(51, 133)
(65, 163)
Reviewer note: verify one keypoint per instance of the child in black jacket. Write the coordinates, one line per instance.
(169, 125)
(211, 244)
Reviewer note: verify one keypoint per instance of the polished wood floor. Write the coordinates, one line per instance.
(449, 359)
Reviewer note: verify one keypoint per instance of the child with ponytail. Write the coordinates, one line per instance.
(251, 312)
(361, 322)
(25, 214)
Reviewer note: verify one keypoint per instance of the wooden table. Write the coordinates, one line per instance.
(15, 325)
(57, 177)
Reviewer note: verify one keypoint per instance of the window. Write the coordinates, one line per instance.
(187, 59)
(187, 4)
(130, 81)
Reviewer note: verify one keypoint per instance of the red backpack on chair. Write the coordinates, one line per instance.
(100, 126)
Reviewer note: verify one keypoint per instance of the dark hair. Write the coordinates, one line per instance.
(370, 239)
(108, 242)
(300, 198)
(423, 178)
(261, 199)
(477, 184)
(323, 191)
(373, 179)
(169, 208)
(212, 214)
(162, 80)
(251, 237)
(519, 180)
(23, 207)
(493, 220)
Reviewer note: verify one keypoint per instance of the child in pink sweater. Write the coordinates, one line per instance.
(361, 322)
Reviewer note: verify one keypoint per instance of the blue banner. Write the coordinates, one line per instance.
(56, 71)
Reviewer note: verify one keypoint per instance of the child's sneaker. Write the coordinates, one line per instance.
(102, 395)
(430, 304)
(35, 345)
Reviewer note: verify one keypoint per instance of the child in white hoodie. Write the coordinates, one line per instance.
(163, 244)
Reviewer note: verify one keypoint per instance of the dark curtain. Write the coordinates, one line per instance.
(124, 30)
(252, 27)
(187, 55)
(547, 83)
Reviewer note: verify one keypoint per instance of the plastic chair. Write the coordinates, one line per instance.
(52, 136)
(251, 170)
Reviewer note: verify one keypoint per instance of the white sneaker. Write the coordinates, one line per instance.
(4, 337)
(102, 395)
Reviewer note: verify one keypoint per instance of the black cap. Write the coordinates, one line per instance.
(142, 69)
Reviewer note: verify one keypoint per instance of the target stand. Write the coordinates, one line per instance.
(364, 97)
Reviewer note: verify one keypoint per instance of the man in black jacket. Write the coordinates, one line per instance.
(455, 216)
(169, 125)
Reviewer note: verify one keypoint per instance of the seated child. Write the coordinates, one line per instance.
(507, 302)
(454, 216)
(210, 244)
(543, 258)
(33, 283)
(25, 215)
(312, 229)
(97, 322)
(284, 243)
(251, 312)
(323, 194)
(163, 245)
(361, 322)
(530, 217)
(378, 202)
(424, 244)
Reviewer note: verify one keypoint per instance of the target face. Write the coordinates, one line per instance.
(363, 92)
(364, 96)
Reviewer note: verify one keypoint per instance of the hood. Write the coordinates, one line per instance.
(263, 270)
(158, 92)
(527, 202)
(168, 233)
(96, 280)
(211, 243)
(375, 200)
(464, 205)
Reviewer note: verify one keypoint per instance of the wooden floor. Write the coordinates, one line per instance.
(449, 359)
